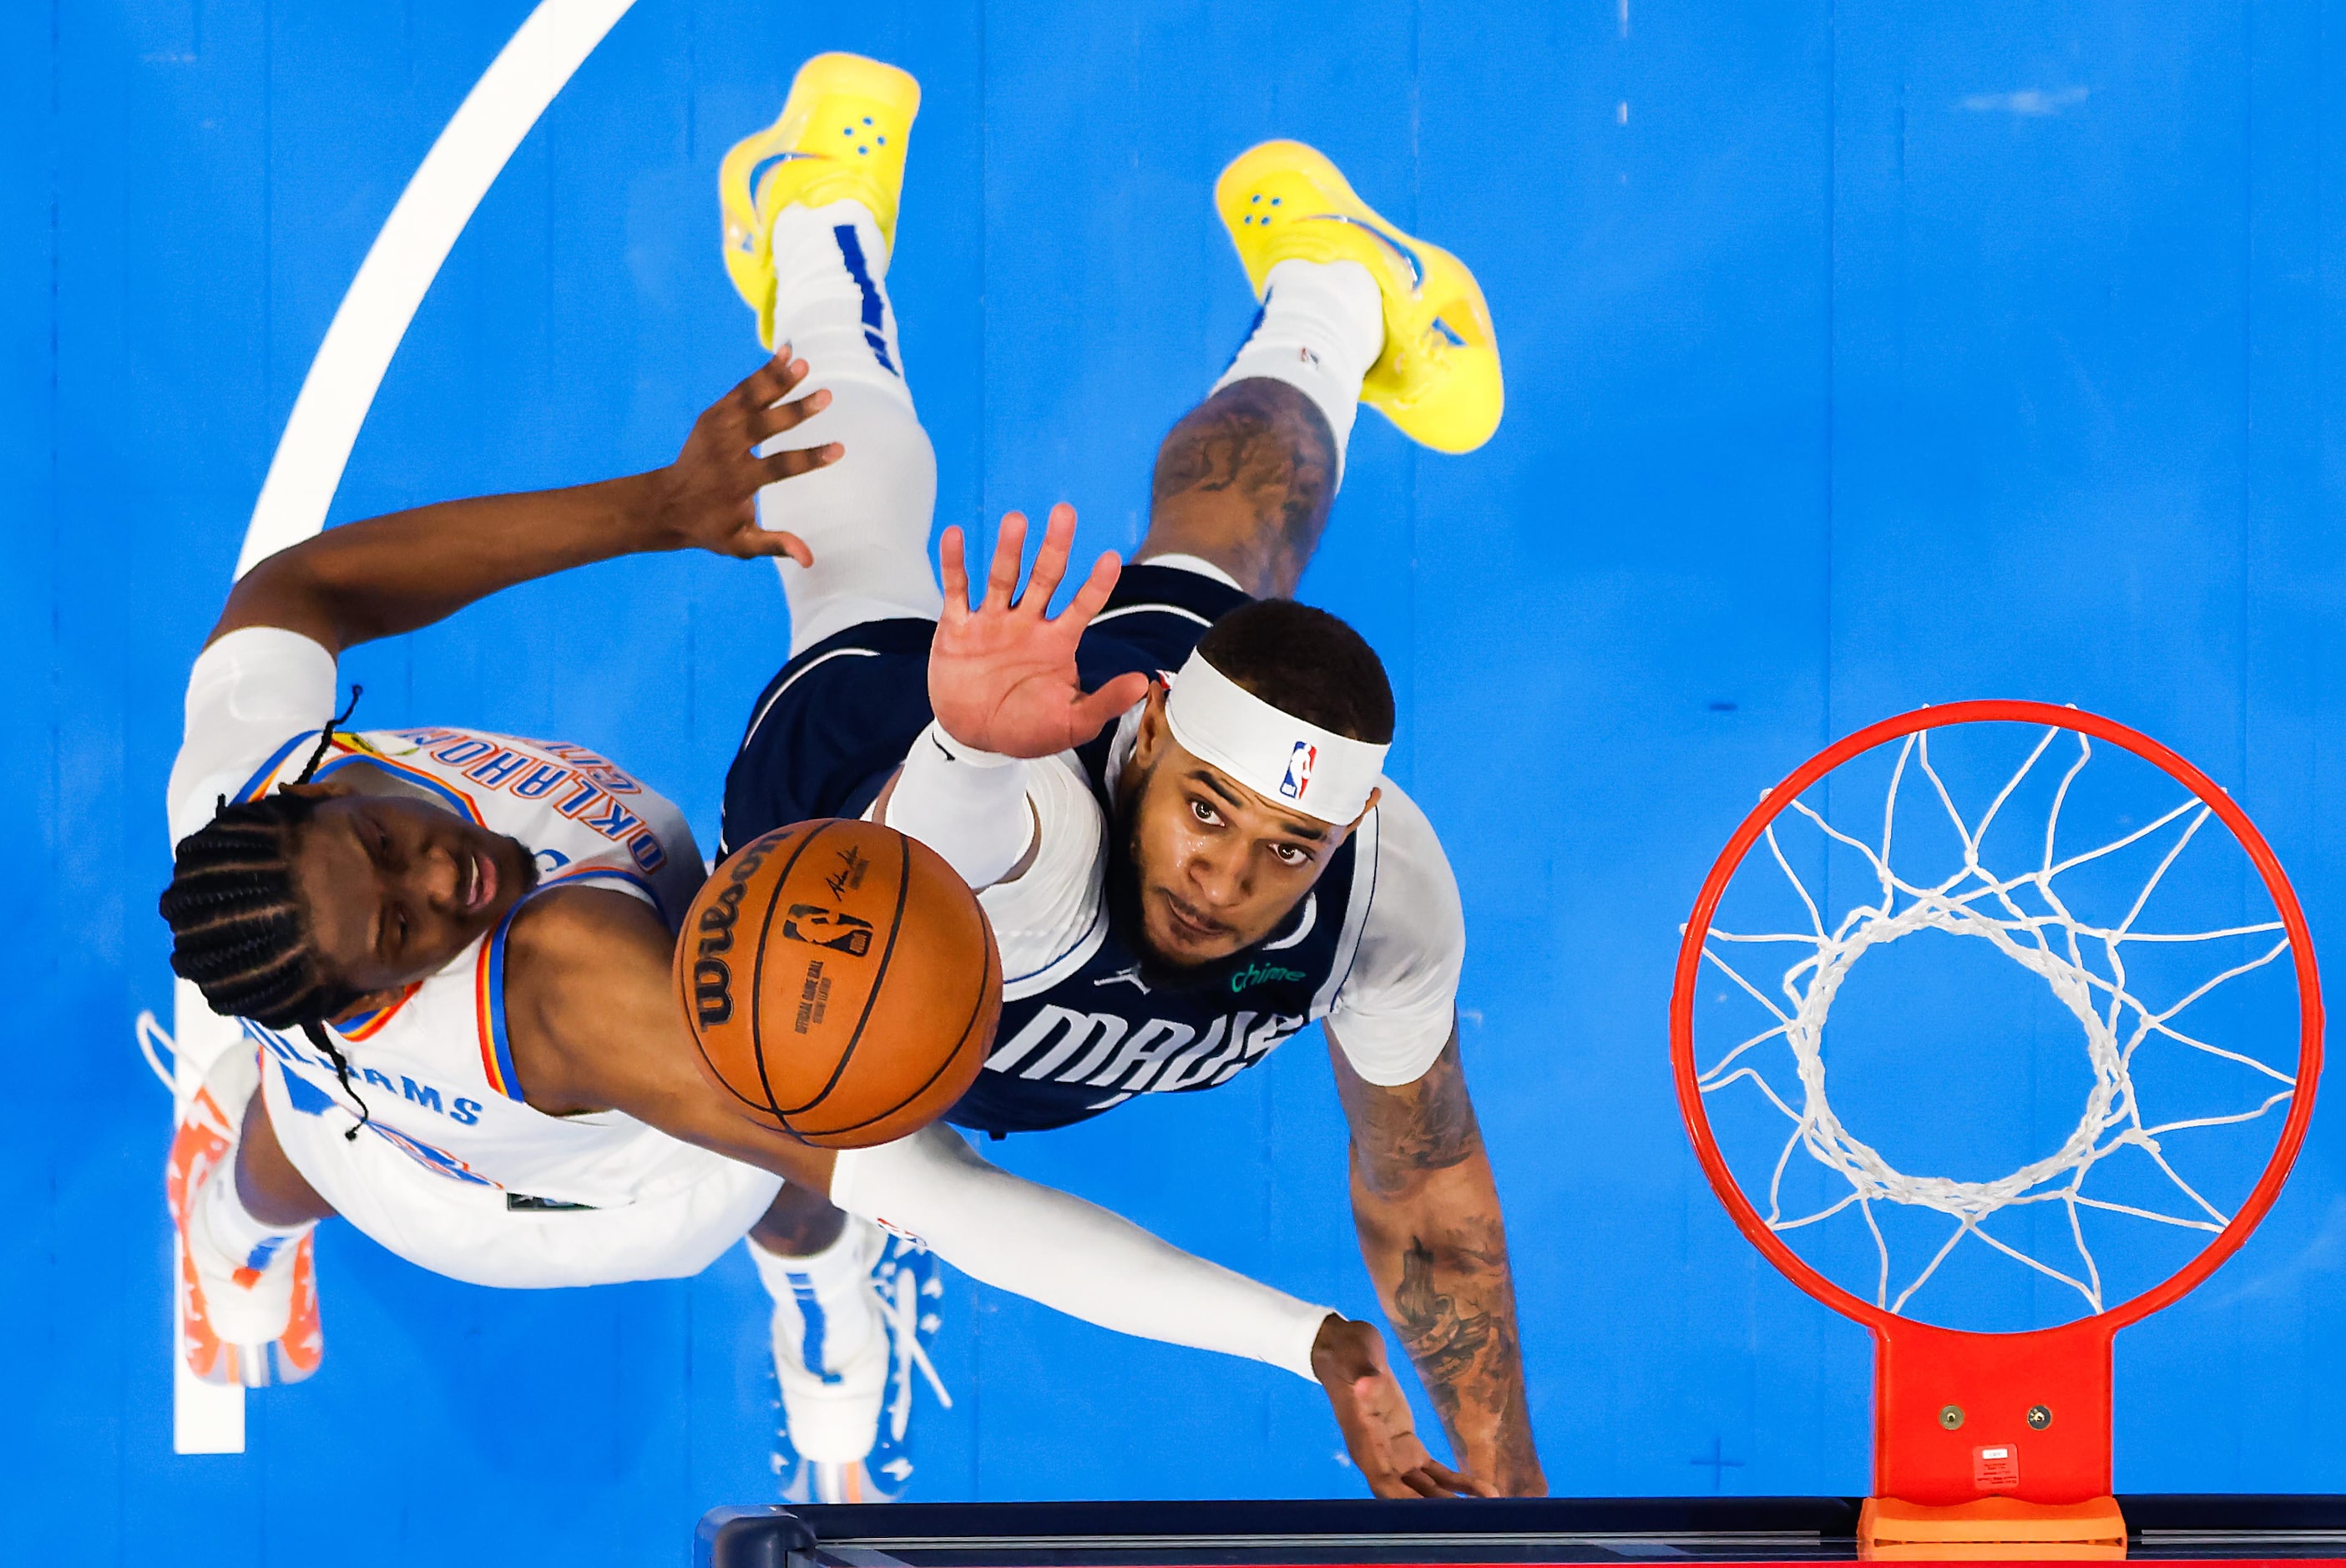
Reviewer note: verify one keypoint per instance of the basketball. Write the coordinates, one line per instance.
(841, 981)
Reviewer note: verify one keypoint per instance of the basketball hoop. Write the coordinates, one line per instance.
(1996, 1438)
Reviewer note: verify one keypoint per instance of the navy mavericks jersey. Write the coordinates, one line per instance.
(1102, 1034)
(839, 719)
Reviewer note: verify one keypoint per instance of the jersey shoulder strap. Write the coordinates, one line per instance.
(489, 970)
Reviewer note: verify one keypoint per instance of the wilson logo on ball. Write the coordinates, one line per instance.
(712, 980)
(843, 1030)
(821, 927)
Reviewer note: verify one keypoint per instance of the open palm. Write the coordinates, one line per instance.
(1001, 675)
(1380, 1433)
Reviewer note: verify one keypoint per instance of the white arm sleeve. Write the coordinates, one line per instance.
(969, 806)
(1075, 1257)
(249, 692)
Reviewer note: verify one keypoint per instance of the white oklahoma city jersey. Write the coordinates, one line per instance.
(435, 1067)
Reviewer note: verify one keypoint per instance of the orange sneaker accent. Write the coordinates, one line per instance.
(202, 1149)
(198, 1148)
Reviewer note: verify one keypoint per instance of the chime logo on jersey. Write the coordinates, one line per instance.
(1299, 770)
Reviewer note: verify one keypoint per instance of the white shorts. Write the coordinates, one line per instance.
(466, 1232)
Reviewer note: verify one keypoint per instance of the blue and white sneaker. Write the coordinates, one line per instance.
(823, 1481)
(844, 1356)
(909, 1290)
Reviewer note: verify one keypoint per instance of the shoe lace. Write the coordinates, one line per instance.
(155, 1043)
(900, 1308)
(150, 1036)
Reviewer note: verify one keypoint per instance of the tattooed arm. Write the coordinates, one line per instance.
(1428, 1213)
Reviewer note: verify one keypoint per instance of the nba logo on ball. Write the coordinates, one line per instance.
(1299, 770)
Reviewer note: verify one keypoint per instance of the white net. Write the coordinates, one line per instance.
(2021, 909)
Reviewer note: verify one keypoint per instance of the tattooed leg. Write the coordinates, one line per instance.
(1244, 481)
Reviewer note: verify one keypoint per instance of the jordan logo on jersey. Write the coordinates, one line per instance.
(1299, 770)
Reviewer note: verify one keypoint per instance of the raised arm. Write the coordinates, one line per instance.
(1003, 685)
(594, 1024)
(393, 574)
(1428, 1213)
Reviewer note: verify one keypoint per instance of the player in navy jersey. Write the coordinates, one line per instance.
(1170, 796)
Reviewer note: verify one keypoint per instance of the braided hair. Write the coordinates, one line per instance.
(237, 927)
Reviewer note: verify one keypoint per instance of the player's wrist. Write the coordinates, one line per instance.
(1338, 1353)
(1501, 1453)
(960, 752)
(651, 511)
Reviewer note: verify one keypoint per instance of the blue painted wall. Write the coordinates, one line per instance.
(1859, 356)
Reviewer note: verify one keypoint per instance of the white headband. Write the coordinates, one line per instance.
(1281, 757)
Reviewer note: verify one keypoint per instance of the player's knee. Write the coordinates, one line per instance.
(798, 1223)
(272, 1190)
(884, 483)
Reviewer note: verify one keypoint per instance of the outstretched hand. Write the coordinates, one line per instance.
(1002, 677)
(1374, 1413)
(707, 498)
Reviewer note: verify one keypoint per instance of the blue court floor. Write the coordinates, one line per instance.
(1858, 357)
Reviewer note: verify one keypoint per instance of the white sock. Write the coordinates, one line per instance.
(1323, 325)
(866, 518)
(831, 294)
(828, 1291)
(229, 1227)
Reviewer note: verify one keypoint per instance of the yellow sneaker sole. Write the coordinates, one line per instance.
(841, 136)
(1438, 378)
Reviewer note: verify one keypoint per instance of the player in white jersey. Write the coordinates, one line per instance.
(1183, 870)
(450, 950)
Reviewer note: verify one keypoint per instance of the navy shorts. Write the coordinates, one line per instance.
(828, 730)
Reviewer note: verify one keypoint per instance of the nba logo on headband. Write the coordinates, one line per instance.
(1287, 760)
(1299, 770)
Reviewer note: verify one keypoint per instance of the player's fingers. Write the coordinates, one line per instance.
(1051, 559)
(772, 419)
(1458, 1483)
(1090, 597)
(797, 460)
(954, 572)
(771, 380)
(755, 541)
(1001, 577)
(1095, 711)
(1422, 1483)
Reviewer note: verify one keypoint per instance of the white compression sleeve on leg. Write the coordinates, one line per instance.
(1322, 326)
(866, 518)
(1069, 1255)
(836, 1281)
(969, 806)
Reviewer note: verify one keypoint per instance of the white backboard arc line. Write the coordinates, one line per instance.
(373, 318)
